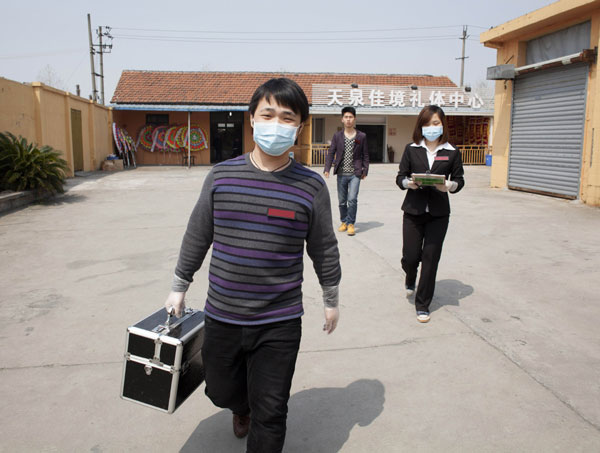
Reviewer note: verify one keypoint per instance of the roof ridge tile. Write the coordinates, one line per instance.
(228, 87)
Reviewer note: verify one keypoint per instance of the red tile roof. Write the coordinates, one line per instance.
(236, 88)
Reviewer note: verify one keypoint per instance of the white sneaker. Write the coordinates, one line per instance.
(410, 292)
(423, 316)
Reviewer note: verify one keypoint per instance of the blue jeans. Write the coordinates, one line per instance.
(347, 189)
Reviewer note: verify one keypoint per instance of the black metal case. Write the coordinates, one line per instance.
(163, 364)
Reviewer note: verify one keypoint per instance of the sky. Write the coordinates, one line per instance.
(41, 40)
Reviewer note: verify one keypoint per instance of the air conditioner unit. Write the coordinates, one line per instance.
(501, 72)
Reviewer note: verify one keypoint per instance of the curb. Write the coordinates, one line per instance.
(13, 200)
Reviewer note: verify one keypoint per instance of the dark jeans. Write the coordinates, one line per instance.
(423, 237)
(347, 189)
(249, 369)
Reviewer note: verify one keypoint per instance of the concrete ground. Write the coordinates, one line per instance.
(509, 362)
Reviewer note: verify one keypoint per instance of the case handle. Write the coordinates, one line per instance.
(169, 323)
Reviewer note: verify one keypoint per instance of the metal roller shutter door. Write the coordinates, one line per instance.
(546, 138)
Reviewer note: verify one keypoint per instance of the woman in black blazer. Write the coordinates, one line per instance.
(427, 208)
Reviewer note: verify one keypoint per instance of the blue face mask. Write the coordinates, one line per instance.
(432, 133)
(274, 138)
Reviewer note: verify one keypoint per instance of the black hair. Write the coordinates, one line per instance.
(286, 92)
(424, 118)
(349, 110)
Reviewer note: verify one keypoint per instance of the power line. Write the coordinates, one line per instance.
(41, 54)
(390, 39)
(312, 32)
(76, 68)
(265, 37)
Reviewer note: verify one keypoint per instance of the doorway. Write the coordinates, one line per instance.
(77, 140)
(546, 136)
(226, 132)
(375, 140)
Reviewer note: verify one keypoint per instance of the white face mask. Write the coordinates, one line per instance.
(432, 133)
(274, 138)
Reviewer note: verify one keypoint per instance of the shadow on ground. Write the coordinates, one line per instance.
(61, 199)
(319, 420)
(449, 292)
(361, 227)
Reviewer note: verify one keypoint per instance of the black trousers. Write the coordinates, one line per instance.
(249, 369)
(422, 240)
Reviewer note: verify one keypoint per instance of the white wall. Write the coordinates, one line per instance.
(404, 125)
(332, 123)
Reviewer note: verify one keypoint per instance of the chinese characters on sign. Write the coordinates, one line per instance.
(377, 97)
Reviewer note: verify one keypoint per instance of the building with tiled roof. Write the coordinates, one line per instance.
(236, 88)
(216, 103)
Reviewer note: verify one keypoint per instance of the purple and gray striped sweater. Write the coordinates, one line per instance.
(257, 223)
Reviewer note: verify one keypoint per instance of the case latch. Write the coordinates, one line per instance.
(164, 329)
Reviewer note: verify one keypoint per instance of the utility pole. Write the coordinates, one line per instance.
(102, 49)
(462, 58)
(101, 52)
(94, 91)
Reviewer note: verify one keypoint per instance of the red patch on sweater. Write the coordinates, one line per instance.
(281, 213)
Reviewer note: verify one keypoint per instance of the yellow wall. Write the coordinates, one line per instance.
(502, 117)
(42, 114)
(303, 148)
(510, 41)
(17, 110)
(590, 168)
(54, 126)
(100, 136)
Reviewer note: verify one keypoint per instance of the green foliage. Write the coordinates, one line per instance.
(24, 166)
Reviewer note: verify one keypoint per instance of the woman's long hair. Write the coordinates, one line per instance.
(424, 118)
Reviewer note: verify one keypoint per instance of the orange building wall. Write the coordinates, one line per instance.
(248, 131)
(510, 40)
(133, 120)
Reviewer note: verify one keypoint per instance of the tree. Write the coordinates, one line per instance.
(485, 88)
(48, 76)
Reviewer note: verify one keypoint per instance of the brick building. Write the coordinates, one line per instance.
(215, 105)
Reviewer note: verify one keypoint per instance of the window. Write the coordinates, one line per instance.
(318, 130)
(559, 44)
(157, 119)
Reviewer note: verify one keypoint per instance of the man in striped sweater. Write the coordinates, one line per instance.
(257, 211)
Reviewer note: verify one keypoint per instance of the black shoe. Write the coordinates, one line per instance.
(241, 425)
